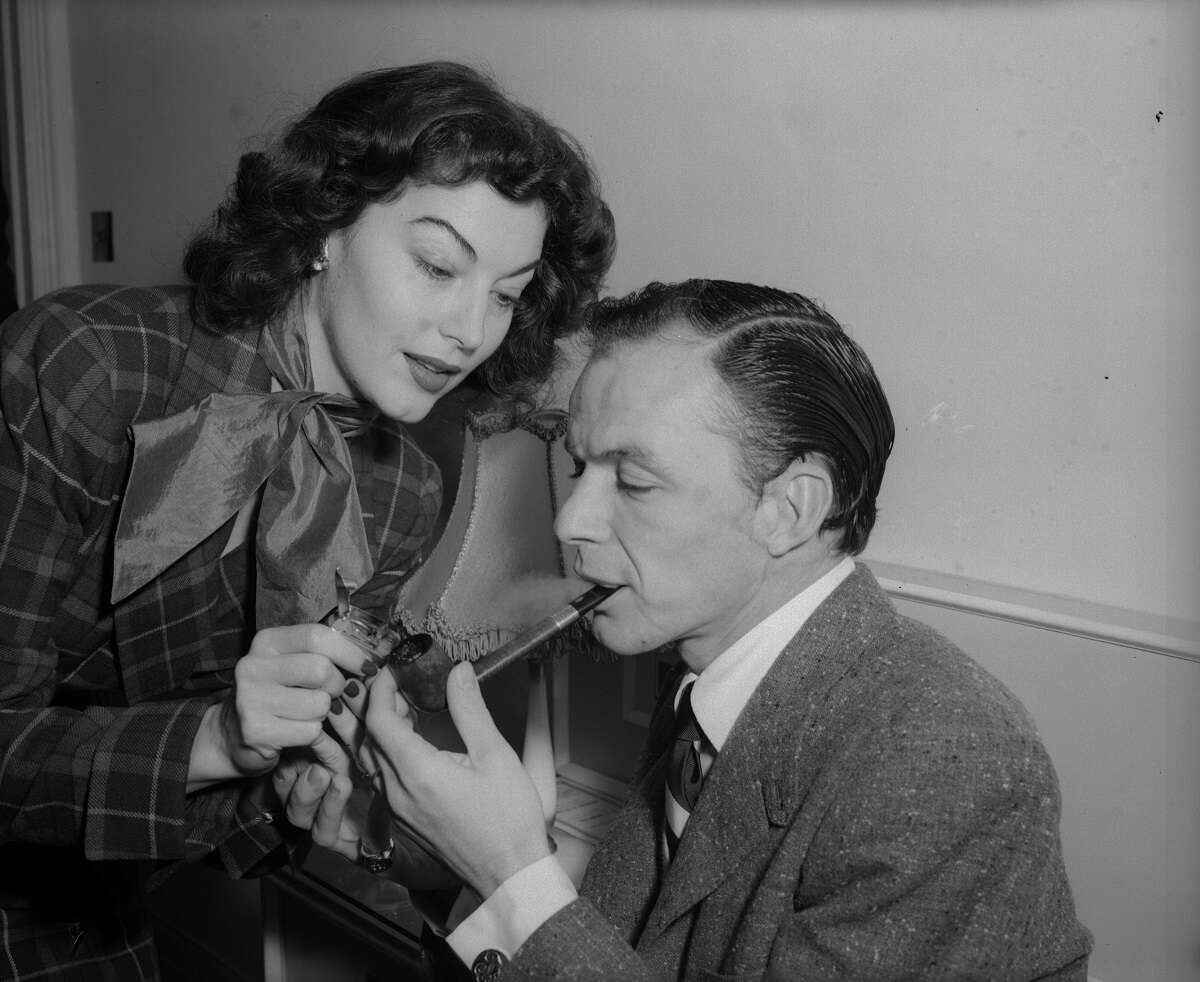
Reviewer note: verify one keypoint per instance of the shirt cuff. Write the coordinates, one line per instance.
(517, 908)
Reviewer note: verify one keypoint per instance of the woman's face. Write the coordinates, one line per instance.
(418, 292)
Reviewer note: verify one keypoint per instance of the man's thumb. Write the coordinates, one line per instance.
(468, 710)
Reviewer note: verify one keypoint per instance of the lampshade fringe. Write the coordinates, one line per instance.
(470, 643)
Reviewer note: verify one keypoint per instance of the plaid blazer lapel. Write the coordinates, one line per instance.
(164, 629)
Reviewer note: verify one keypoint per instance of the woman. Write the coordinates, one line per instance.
(186, 470)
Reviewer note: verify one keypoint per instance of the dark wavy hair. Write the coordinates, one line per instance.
(800, 387)
(433, 123)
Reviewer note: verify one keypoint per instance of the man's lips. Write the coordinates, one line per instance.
(598, 581)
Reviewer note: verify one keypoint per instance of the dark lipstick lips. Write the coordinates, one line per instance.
(435, 364)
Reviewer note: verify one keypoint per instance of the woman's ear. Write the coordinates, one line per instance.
(794, 506)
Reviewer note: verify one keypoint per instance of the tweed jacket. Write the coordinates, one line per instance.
(100, 703)
(882, 809)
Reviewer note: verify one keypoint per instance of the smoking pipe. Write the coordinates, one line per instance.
(421, 666)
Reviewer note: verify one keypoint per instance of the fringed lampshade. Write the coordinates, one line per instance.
(498, 567)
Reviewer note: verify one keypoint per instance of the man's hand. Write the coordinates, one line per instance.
(283, 690)
(478, 810)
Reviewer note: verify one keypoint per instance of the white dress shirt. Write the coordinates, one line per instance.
(528, 898)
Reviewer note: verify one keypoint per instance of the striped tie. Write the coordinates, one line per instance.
(684, 772)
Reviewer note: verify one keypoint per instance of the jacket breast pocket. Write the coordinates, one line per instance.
(779, 804)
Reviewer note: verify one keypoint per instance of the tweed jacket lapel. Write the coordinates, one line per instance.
(624, 873)
(772, 752)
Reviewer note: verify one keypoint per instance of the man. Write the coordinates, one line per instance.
(873, 806)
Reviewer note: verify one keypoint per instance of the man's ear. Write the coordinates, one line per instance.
(794, 506)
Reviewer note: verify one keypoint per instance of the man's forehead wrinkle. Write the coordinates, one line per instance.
(610, 425)
(610, 441)
(617, 411)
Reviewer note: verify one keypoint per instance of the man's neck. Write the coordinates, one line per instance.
(786, 580)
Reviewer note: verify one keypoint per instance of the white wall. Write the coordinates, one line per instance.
(984, 193)
(981, 192)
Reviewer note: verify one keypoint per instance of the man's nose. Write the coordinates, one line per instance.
(579, 518)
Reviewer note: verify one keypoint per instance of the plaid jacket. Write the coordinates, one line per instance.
(99, 704)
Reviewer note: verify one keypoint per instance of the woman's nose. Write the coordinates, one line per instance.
(466, 322)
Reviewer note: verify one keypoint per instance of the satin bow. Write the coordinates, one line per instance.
(195, 470)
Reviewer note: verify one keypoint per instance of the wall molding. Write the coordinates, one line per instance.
(1151, 633)
(1047, 612)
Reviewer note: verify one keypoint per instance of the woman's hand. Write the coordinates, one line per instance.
(327, 801)
(478, 810)
(283, 691)
(329, 794)
(319, 792)
(323, 799)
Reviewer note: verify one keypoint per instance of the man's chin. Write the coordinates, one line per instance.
(621, 643)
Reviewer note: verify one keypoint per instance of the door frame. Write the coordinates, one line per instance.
(38, 150)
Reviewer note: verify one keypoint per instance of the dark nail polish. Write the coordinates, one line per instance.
(370, 668)
(335, 705)
(351, 689)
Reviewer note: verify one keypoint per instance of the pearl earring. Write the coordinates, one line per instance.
(321, 263)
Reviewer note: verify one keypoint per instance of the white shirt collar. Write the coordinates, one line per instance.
(725, 686)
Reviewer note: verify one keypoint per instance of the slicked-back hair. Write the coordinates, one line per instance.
(432, 123)
(799, 386)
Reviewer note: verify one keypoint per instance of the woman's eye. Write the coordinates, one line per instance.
(504, 300)
(433, 271)
(577, 467)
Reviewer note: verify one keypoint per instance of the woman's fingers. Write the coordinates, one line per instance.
(287, 772)
(329, 828)
(354, 697)
(292, 680)
(343, 719)
(316, 639)
(390, 725)
(306, 794)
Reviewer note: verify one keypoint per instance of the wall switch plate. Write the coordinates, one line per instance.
(102, 237)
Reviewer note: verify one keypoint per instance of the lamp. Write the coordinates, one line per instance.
(497, 566)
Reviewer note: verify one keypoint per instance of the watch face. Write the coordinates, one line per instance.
(488, 964)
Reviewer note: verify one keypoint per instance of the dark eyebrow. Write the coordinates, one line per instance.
(454, 233)
(465, 245)
(633, 454)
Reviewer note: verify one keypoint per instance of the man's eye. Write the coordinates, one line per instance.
(625, 487)
(577, 467)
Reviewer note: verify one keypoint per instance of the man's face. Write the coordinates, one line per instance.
(657, 506)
